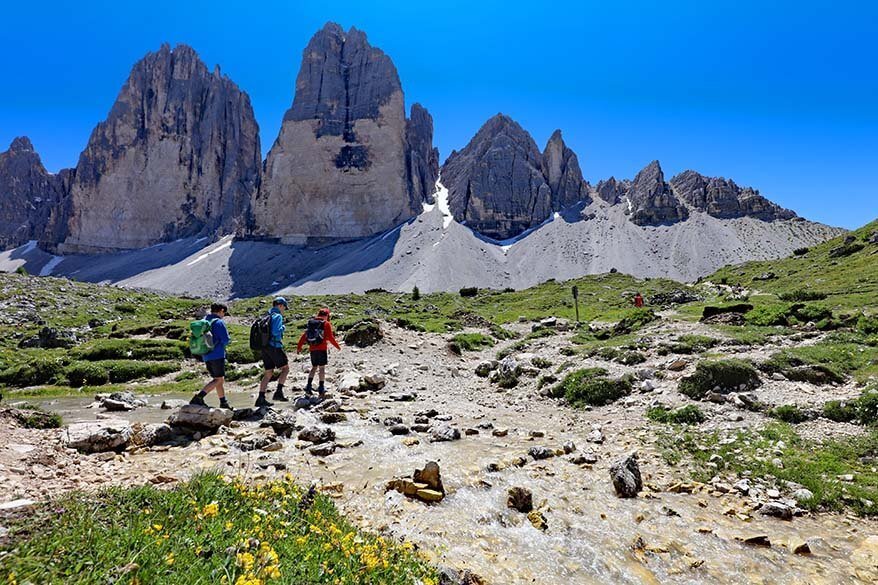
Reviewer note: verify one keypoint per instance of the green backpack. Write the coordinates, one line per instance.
(200, 336)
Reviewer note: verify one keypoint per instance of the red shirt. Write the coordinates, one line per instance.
(322, 346)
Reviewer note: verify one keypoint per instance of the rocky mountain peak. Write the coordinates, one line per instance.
(28, 193)
(650, 199)
(495, 183)
(21, 144)
(347, 163)
(342, 79)
(182, 145)
(612, 190)
(724, 199)
(422, 161)
(560, 166)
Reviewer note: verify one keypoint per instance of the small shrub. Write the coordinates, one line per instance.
(416, 294)
(867, 324)
(469, 291)
(802, 295)
(87, 373)
(687, 415)
(241, 373)
(505, 378)
(862, 410)
(687, 344)
(800, 251)
(722, 376)
(469, 342)
(590, 386)
(634, 320)
(125, 370)
(41, 370)
(789, 413)
(541, 363)
(839, 411)
(240, 354)
(133, 349)
(769, 316)
(129, 308)
(34, 417)
(404, 323)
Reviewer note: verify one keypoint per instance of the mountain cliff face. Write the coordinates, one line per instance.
(651, 201)
(422, 162)
(500, 184)
(177, 156)
(347, 163)
(724, 199)
(496, 184)
(560, 167)
(28, 193)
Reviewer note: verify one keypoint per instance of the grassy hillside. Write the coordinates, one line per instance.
(849, 281)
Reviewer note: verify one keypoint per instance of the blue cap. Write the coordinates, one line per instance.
(281, 301)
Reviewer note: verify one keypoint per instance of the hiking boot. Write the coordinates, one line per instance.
(198, 401)
(225, 404)
(321, 391)
(261, 401)
(279, 396)
(308, 391)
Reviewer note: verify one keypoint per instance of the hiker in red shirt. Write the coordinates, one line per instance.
(317, 335)
(638, 300)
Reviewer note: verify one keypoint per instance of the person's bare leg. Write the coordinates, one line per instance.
(308, 388)
(209, 386)
(266, 378)
(322, 373)
(284, 372)
(220, 391)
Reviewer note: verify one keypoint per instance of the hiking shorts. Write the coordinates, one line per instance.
(274, 358)
(319, 357)
(216, 368)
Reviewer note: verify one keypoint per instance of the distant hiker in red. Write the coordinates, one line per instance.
(317, 335)
(638, 300)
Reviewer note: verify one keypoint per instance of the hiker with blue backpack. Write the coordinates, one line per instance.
(208, 339)
(267, 335)
(318, 334)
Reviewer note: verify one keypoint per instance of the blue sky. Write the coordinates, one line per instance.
(779, 95)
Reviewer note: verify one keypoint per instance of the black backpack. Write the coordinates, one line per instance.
(260, 332)
(314, 331)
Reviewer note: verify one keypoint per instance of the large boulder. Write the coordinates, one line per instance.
(364, 334)
(149, 434)
(625, 474)
(200, 418)
(519, 498)
(317, 434)
(98, 437)
(49, 338)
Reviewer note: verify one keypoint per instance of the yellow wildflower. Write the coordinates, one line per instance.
(246, 561)
(169, 558)
(212, 509)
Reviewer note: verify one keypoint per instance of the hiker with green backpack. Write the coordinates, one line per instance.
(208, 339)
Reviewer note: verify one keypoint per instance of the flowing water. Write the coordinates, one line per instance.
(591, 535)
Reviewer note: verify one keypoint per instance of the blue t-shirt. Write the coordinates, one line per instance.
(220, 338)
(277, 328)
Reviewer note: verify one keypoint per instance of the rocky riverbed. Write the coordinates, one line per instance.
(408, 400)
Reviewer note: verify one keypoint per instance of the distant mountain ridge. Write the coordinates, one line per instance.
(179, 157)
